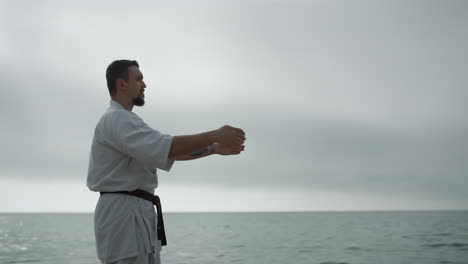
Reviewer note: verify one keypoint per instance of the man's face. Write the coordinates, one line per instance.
(136, 86)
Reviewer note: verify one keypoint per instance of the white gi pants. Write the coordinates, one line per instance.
(125, 230)
(142, 258)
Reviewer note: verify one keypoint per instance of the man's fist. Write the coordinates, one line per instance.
(229, 136)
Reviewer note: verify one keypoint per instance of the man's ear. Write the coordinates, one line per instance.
(120, 83)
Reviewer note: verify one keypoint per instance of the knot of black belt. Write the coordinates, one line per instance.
(157, 202)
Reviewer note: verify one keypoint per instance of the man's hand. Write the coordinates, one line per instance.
(222, 149)
(229, 136)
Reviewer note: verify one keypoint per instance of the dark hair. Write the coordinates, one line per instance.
(118, 69)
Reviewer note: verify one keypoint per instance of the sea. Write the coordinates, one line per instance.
(410, 237)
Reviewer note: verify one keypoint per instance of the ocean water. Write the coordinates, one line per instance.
(419, 237)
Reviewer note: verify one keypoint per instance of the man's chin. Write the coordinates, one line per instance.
(139, 101)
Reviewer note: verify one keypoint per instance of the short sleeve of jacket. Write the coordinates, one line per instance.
(136, 139)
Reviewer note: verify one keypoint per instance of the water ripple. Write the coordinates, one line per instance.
(353, 248)
(24, 261)
(305, 250)
(238, 246)
(438, 245)
(442, 234)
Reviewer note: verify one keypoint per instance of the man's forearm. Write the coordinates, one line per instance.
(206, 151)
(231, 137)
(186, 145)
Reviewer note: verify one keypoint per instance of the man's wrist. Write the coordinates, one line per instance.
(213, 136)
(213, 148)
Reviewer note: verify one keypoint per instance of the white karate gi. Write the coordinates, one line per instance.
(125, 153)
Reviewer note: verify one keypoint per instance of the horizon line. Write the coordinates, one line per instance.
(246, 212)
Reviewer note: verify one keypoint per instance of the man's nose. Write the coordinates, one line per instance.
(144, 85)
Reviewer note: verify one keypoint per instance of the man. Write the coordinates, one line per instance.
(125, 155)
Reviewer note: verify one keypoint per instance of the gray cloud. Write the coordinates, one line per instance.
(368, 98)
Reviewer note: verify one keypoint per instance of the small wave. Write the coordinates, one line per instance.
(443, 234)
(239, 246)
(24, 261)
(353, 248)
(455, 245)
(332, 262)
(305, 251)
(427, 236)
(458, 245)
(434, 245)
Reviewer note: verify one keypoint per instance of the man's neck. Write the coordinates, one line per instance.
(128, 105)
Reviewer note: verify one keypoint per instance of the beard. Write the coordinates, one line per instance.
(139, 101)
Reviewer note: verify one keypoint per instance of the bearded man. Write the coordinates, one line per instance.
(125, 155)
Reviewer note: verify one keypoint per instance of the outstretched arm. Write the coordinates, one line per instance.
(204, 152)
(229, 138)
(215, 148)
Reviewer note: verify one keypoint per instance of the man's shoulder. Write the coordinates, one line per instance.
(117, 116)
(115, 121)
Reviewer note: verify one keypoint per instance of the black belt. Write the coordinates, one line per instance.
(155, 200)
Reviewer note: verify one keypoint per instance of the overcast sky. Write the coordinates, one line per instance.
(347, 105)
